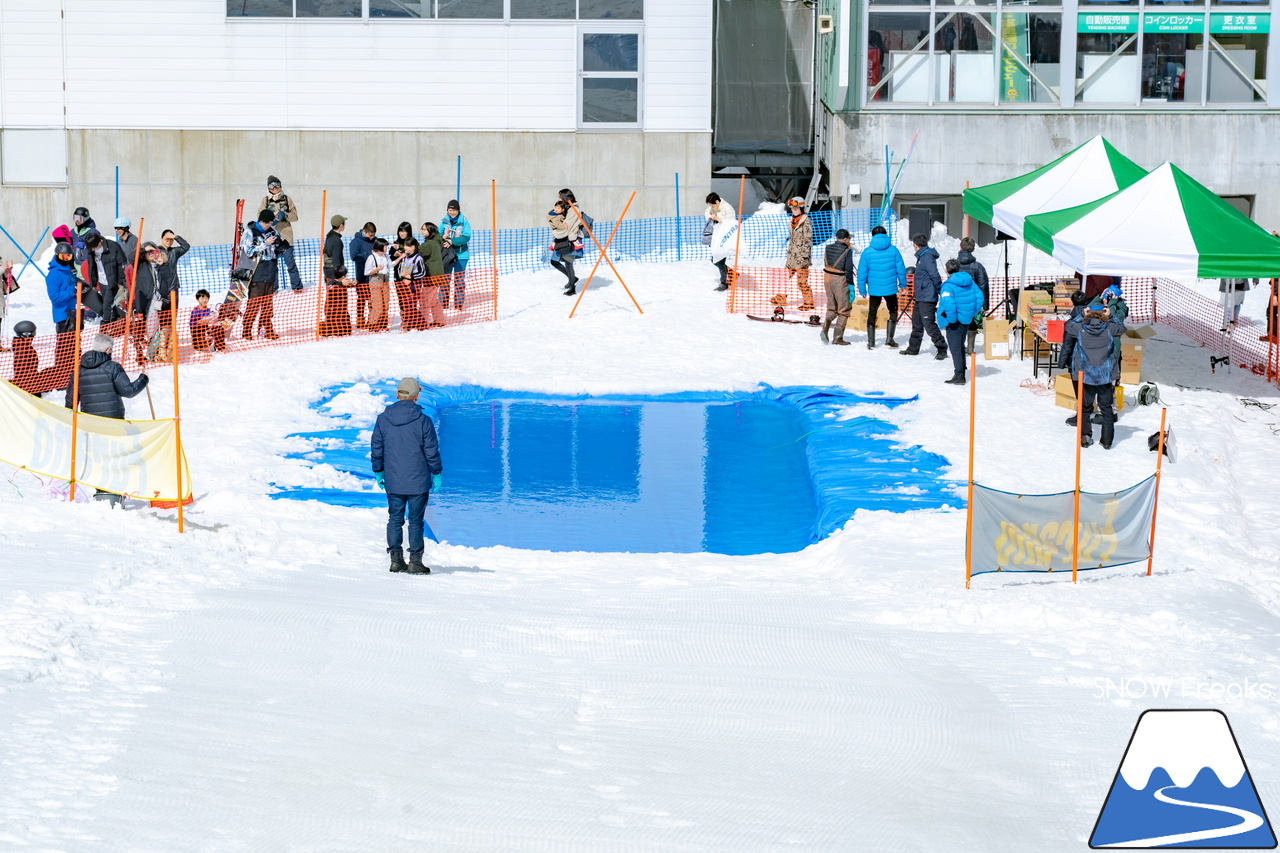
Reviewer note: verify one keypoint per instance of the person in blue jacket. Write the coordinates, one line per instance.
(61, 286)
(881, 275)
(406, 464)
(455, 231)
(924, 312)
(959, 302)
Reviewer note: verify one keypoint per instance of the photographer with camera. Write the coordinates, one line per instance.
(283, 213)
(257, 265)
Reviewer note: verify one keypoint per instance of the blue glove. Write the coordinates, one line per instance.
(381, 480)
(435, 482)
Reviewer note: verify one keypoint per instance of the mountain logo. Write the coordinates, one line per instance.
(1183, 783)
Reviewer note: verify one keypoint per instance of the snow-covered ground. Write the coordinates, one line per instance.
(263, 683)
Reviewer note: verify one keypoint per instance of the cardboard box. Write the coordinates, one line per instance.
(1064, 392)
(995, 339)
(1033, 303)
(858, 316)
(1062, 290)
(1131, 350)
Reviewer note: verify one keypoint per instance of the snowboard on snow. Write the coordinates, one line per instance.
(780, 316)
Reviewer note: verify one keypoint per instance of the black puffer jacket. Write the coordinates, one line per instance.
(103, 385)
(976, 271)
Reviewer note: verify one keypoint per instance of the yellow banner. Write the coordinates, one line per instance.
(133, 458)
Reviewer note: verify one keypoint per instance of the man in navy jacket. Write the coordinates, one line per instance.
(406, 463)
(924, 312)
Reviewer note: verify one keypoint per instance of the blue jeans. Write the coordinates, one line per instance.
(457, 282)
(295, 277)
(417, 508)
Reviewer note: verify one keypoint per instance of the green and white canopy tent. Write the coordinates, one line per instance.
(1090, 172)
(1167, 225)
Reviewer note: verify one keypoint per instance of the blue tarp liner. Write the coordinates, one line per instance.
(763, 471)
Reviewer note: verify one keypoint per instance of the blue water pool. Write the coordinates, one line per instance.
(767, 471)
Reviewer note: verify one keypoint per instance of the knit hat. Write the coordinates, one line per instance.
(272, 181)
(453, 205)
(408, 387)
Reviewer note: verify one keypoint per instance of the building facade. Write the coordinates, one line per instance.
(198, 101)
(998, 88)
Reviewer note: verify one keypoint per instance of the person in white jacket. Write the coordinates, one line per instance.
(721, 220)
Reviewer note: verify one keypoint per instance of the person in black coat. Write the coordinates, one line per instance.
(337, 314)
(360, 250)
(103, 387)
(927, 283)
(406, 464)
(106, 271)
(174, 248)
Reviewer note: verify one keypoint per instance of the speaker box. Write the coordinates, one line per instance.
(921, 219)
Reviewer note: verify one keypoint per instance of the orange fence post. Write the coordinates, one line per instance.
(1075, 523)
(1156, 505)
(321, 284)
(733, 279)
(133, 288)
(177, 419)
(604, 256)
(75, 384)
(973, 398)
(493, 207)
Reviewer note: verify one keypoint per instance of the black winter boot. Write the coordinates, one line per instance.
(871, 335)
(956, 379)
(940, 355)
(397, 561)
(416, 567)
(888, 338)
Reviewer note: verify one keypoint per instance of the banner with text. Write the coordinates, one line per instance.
(1032, 533)
(134, 458)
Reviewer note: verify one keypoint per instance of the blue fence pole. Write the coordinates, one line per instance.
(679, 247)
(117, 192)
(459, 190)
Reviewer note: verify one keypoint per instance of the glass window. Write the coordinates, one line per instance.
(619, 10)
(1030, 58)
(401, 8)
(259, 8)
(1172, 56)
(328, 9)
(486, 9)
(610, 52)
(964, 64)
(898, 57)
(610, 100)
(1107, 58)
(540, 9)
(1237, 60)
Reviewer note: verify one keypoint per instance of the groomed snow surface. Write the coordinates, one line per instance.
(263, 683)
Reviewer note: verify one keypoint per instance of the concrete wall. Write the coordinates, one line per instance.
(189, 180)
(1231, 153)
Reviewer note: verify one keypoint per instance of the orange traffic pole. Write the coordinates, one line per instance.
(493, 238)
(733, 279)
(1075, 521)
(604, 257)
(177, 419)
(75, 383)
(133, 288)
(321, 284)
(1156, 505)
(973, 398)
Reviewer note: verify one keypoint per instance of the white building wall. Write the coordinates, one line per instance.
(182, 64)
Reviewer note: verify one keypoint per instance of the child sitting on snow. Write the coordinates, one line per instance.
(206, 331)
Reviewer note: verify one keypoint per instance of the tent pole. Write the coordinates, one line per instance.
(1024, 261)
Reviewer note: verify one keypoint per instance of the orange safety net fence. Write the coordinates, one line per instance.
(760, 291)
(237, 323)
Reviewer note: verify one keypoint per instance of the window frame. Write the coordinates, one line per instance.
(435, 16)
(1070, 14)
(635, 28)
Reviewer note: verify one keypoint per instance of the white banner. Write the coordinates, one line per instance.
(1033, 533)
(134, 458)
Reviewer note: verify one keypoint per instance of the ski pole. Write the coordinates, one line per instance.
(149, 403)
